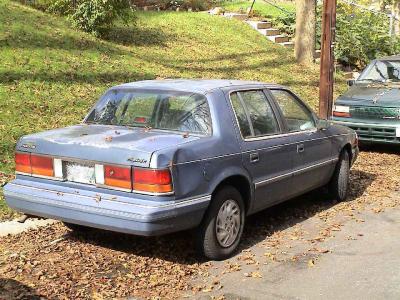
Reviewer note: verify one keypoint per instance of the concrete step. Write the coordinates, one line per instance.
(317, 54)
(287, 44)
(260, 24)
(263, 25)
(241, 17)
(279, 38)
(272, 31)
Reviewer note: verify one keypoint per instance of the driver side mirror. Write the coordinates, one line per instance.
(351, 82)
(322, 124)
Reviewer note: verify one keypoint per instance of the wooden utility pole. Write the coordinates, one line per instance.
(327, 59)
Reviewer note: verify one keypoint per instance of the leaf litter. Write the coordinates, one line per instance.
(58, 264)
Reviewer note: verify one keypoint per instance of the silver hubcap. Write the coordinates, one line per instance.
(228, 223)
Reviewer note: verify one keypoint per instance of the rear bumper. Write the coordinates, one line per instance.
(104, 210)
(372, 132)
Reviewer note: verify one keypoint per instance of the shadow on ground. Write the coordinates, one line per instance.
(11, 289)
(180, 247)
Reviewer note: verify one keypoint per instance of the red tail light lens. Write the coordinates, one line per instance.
(42, 165)
(152, 181)
(119, 177)
(23, 163)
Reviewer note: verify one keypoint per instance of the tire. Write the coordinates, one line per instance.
(76, 227)
(217, 242)
(339, 184)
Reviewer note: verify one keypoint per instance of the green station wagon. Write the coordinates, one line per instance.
(371, 106)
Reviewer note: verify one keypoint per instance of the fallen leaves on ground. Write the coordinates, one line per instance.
(57, 264)
(63, 265)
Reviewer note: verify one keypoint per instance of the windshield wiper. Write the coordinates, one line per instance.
(372, 80)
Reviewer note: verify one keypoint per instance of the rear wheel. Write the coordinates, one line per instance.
(339, 184)
(221, 229)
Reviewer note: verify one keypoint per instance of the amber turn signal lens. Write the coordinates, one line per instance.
(152, 188)
(341, 114)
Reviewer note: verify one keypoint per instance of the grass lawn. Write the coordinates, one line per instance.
(260, 7)
(51, 74)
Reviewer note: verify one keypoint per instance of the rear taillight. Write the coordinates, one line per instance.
(34, 164)
(42, 165)
(152, 181)
(119, 177)
(139, 180)
(23, 163)
(341, 111)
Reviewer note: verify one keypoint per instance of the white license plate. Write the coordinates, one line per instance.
(80, 173)
(397, 131)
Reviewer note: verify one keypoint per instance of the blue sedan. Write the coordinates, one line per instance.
(154, 157)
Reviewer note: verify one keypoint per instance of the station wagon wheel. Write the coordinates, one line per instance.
(219, 234)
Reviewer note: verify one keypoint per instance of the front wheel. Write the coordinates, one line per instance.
(221, 229)
(339, 184)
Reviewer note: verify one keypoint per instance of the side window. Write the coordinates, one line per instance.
(298, 117)
(254, 114)
(241, 116)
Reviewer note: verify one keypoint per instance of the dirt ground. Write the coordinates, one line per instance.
(54, 263)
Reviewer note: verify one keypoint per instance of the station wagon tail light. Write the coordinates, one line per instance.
(341, 111)
(152, 181)
(118, 177)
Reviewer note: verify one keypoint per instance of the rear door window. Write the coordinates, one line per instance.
(254, 114)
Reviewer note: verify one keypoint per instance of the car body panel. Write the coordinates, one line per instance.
(198, 165)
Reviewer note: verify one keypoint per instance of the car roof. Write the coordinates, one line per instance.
(193, 85)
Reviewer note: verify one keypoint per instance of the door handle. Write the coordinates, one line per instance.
(254, 157)
(300, 148)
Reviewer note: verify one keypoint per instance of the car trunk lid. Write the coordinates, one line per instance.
(102, 143)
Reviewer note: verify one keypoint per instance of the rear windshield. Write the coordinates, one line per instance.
(382, 71)
(176, 111)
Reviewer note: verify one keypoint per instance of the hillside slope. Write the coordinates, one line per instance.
(50, 74)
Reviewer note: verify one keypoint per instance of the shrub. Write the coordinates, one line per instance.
(93, 16)
(97, 16)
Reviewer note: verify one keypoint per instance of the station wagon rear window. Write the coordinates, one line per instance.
(165, 110)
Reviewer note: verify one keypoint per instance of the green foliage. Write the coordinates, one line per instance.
(285, 23)
(93, 16)
(361, 36)
(97, 16)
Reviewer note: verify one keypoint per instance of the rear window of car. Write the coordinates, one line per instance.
(254, 114)
(176, 111)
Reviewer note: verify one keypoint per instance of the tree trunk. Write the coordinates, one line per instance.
(396, 13)
(304, 45)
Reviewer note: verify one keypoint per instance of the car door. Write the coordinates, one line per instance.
(265, 152)
(312, 162)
